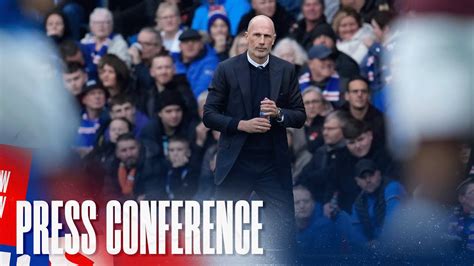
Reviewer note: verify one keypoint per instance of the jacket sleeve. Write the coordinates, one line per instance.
(216, 102)
(295, 114)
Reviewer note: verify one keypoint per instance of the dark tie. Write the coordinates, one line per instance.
(260, 67)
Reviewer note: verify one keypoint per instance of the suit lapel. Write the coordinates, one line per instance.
(275, 78)
(242, 72)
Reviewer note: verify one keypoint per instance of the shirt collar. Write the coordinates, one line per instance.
(255, 64)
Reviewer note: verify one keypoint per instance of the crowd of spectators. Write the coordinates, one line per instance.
(141, 86)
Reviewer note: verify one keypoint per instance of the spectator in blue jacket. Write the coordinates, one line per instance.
(197, 60)
(374, 207)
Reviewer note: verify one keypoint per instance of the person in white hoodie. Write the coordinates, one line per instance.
(354, 35)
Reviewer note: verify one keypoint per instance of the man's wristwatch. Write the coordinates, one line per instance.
(280, 116)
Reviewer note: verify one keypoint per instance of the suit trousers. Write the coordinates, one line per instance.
(256, 172)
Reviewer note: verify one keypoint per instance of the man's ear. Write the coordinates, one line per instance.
(346, 95)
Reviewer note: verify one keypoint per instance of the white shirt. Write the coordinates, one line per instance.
(255, 64)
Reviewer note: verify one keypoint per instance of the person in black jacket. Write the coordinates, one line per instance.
(164, 77)
(170, 120)
(358, 106)
(183, 175)
(138, 171)
(361, 145)
(316, 173)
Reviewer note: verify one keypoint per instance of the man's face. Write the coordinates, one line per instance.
(312, 10)
(168, 20)
(369, 182)
(261, 37)
(467, 200)
(264, 7)
(190, 49)
(149, 43)
(177, 150)
(75, 81)
(324, 40)
(116, 128)
(332, 131)
(126, 110)
(323, 68)
(94, 99)
(304, 204)
(313, 104)
(171, 116)
(162, 69)
(101, 26)
(360, 146)
(127, 151)
(357, 94)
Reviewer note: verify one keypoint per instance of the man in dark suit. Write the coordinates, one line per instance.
(253, 98)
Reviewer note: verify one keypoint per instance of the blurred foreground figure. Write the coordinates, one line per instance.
(430, 113)
(431, 109)
(35, 109)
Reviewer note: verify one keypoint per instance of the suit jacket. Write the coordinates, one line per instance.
(229, 101)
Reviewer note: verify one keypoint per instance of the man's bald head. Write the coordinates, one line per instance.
(261, 37)
(259, 21)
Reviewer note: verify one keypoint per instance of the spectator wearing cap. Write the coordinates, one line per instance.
(170, 120)
(313, 17)
(234, 9)
(197, 60)
(219, 33)
(281, 19)
(102, 40)
(374, 207)
(92, 97)
(322, 74)
(462, 220)
(346, 67)
(163, 72)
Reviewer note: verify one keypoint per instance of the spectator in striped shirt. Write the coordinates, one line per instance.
(322, 74)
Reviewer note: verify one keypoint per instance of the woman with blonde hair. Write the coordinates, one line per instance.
(355, 37)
